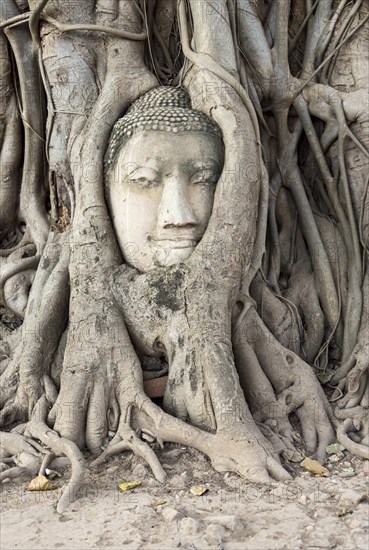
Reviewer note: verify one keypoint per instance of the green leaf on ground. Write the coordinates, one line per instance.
(325, 377)
(335, 448)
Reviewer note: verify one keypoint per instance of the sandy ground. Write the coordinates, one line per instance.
(308, 512)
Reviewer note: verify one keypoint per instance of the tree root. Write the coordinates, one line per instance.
(353, 376)
(9, 381)
(280, 443)
(127, 440)
(41, 331)
(244, 451)
(352, 425)
(295, 388)
(13, 444)
(38, 429)
(17, 472)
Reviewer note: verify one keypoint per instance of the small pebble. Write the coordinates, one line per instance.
(178, 481)
(303, 500)
(146, 511)
(140, 471)
(334, 458)
(151, 482)
(173, 454)
(350, 497)
(189, 526)
(232, 523)
(185, 476)
(349, 473)
(214, 533)
(170, 514)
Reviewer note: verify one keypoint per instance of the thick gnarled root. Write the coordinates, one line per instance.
(351, 426)
(353, 407)
(253, 458)
(278, 383)
(244, 451)
(353, 431)
(14, 443)
(313, 412)
(39, 430)
(126, 439)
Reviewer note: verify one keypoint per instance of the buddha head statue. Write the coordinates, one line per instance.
(161, 168)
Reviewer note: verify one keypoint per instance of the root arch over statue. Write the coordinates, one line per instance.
(255, 286)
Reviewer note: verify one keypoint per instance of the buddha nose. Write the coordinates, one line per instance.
(175, 209)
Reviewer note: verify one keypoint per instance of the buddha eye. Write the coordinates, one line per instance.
(205, 178)
(143, 182)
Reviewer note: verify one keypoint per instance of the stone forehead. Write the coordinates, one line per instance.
(166, 109)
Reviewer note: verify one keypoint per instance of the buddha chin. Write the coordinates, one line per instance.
(174, 253)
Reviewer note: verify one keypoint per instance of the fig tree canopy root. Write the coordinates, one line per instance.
(274, 300)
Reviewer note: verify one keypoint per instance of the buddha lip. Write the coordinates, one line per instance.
(177, 243)
(174, 238)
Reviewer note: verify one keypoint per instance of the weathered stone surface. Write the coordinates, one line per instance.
(171, 514)
(189, 526)
(350, 497)
(233, 523)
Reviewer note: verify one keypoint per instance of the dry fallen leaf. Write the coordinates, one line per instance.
(198, 490)
(293, 456)
(343, 512)
(158, 502)
(128, 485)
(41, 483)
(313, 466)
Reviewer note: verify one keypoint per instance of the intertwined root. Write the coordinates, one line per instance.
(243, 450)
(353, 432)
(23, 452)
(352, 407)
(237, 445)
(32, 458)
(126, 439)
(351, 426)
(277, 383)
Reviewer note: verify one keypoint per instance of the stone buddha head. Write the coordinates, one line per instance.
(161, 168)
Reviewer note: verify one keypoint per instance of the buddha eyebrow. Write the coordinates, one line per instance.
(204, 166)
(137, 171)
(205, 162)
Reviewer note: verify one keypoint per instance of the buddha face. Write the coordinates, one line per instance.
(160, 195)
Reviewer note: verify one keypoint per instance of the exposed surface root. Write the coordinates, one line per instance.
(127, 440)
(294, 386)
(245, 451)
(227, 372)
(14, 444)
(352, 425)
(39, 430)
